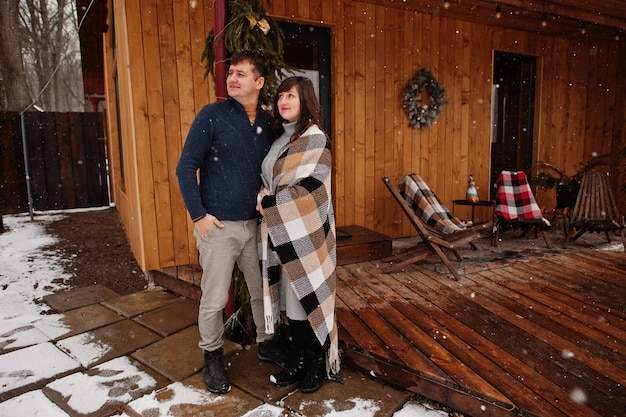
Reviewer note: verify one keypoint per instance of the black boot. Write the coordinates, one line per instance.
(296, 362)
(293, 372)
(315, 358)
(315, 374)
(214, 372)
(273, 351)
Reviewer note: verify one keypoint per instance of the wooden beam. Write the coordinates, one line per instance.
(220, 11)
(602, 17)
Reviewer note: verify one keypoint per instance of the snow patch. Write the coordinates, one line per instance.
(178, 395)
(84, 348)
(115, 381)
(415, 409)
(265, 410)
(31, 404)
(361, 408)
(35, 363)
(27, 271)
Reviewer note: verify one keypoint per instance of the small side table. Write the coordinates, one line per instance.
(480, 203)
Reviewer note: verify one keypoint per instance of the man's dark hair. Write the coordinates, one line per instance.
(255, 57)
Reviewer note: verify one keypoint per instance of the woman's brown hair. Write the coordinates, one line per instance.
(309, 106)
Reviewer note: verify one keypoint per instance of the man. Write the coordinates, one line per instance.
(227, 143)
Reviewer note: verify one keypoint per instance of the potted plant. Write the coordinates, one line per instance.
(553, 177)
(566, 185)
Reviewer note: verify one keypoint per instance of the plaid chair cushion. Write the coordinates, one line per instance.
(515, 199)
(427, 206)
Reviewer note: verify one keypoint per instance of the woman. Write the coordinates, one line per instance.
(297, 236)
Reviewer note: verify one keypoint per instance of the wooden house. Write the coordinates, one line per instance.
(559, 63)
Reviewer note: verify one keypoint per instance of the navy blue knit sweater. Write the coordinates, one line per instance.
(228, 151)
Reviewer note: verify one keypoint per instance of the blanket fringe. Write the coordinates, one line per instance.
(332, 356)
(269, 316)
(332, 361)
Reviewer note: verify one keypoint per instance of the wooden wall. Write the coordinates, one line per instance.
(377, 47)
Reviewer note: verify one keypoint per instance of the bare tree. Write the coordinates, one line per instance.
(15, 96)
(45, 36)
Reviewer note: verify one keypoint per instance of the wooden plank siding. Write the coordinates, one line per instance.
(161, 87)
(377, 46)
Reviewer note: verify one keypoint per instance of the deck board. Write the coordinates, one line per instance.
(605, 276)
(523, 315)
(424, 333)
(548, 342)
(570, 284)
(511, 361)
(555, 363)
(378, 314)
(545, 337)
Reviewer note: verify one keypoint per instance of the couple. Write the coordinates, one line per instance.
(230, 143)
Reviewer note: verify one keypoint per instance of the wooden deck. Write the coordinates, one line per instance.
(541, 338)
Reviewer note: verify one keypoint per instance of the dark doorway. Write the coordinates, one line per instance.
(307, 48)
(513, 101)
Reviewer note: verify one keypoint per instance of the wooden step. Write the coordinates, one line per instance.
(359, 244)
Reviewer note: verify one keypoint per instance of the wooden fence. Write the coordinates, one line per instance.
(67, 161)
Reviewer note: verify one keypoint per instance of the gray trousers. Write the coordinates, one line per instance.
(219, 251)
(289, 300)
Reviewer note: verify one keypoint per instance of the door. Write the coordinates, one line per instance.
(307, 48)
(513, 98)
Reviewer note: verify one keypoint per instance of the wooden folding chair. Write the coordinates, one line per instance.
(516, 207)
(595, 209)
(434, 224)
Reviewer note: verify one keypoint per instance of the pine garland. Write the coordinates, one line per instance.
(424, 114)
(240, 324)
(249, 27)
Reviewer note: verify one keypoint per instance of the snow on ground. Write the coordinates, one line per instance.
(120, 376)
(178, 393)
(28, 272)
(415, 409)
(18, 368)
(84, 349)
(362, 408)
(32, 404)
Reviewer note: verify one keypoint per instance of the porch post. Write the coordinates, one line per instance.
(219, 17)
(219, 49)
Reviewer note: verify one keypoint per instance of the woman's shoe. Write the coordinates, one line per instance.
(272, 351)
(315, 374)
(292, 373)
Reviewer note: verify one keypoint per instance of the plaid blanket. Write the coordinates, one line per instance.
(298, 232)
(515, 199)
(427, 206)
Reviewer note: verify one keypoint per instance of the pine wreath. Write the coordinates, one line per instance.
(249, 27)
(423, 113)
